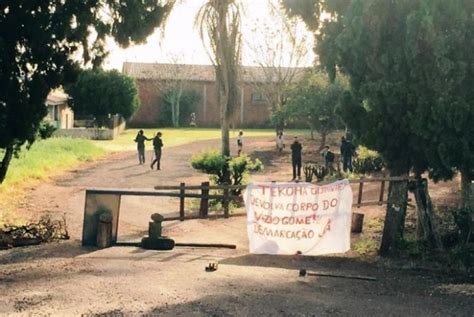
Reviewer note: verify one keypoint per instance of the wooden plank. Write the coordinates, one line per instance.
(199, 187)
(240, 214)
(369, 203)
(181, 201)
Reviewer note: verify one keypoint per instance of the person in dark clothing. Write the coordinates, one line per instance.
(347, 151)
(240, 142)
(157, 145)
(328, 157)
(140, 139)
(296, 148)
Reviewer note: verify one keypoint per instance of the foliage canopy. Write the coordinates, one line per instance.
(100, 93)
(41, 44)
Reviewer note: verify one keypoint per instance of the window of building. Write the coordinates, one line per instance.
(258, 98)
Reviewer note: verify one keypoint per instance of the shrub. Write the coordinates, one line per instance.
(213, 163)
(367, 161)
(46, 130)
(312, 169)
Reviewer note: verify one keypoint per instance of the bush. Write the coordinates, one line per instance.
(367, 161)
(46, 130)
(312, 169)
(218, 166)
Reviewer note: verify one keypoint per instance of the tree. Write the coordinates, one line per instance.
(41, 44)
(410, 66)
(187, 105)
(173, 82)
(314, 100)
(281, 54)
(219, 24)
(102, 93)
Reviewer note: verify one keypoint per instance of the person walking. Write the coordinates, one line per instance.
(296, 148)
(157, 145)
(140, 140)
(279, 141)
(240, 142)
(347, 151)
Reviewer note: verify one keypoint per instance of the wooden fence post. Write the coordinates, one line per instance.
(225, 202)
(181, 201)
(382, 190)
(204, 210)
(359, 199)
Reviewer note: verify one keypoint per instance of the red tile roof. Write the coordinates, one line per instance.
(202, 72)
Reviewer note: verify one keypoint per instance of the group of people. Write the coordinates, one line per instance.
(157, 145)
(348, 151)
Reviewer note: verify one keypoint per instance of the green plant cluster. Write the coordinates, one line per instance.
(313, 169)
(367, 161)
(46, 130)
(219, 166)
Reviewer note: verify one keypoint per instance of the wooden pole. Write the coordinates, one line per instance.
(359, 199)
(181, 201)
(204, 209)
(225, 203)
(382, 190)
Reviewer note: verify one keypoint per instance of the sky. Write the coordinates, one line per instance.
(180, 41)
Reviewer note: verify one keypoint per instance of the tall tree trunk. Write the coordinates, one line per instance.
(178, 105)
(323, 140)
(395, 216)
(173, 109)
(425, 224)
(467, 188)
(7, 157)
(225, 132)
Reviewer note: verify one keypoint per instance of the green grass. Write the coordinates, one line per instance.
(45, 158)
(48, 157)
(173, 137)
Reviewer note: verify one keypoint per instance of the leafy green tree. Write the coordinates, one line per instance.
(101, 93)
(314, 100)
(188, 104)
(41, 43)
(410, 67)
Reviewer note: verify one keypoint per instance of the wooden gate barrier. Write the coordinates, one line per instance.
(110, 199)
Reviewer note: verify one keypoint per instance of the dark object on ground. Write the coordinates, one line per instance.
(162, 243)
(303, 273)
(357, 222)
(211, 267)
(155, 241)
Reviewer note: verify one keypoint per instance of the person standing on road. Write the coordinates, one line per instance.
(296, 148)
(240, 142)
(347, 151)
(140, 140)
(279, 141)
(157, 145)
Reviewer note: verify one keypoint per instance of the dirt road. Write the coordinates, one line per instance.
(65, 279)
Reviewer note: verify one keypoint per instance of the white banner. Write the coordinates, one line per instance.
(284, 218)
